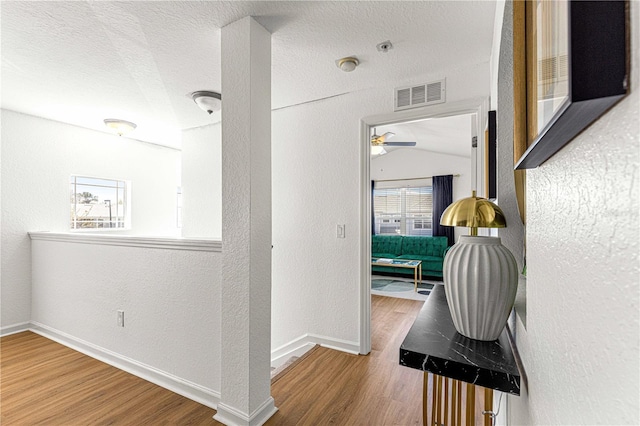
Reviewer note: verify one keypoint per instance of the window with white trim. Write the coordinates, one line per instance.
(99, 203)
(403, 211)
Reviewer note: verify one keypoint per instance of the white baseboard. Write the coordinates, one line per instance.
(230, 416)
(337, 344)
(297, 347)
(193, 391)
(15, 328)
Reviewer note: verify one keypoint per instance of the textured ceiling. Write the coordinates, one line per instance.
(446, 135)
(80, 62)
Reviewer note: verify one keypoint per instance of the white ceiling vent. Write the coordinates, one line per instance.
(420, 95)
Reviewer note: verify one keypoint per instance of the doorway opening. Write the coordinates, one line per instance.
(397, 182)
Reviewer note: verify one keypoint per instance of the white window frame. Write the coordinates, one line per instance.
(403, 220)
(421, 222)
(120, 184)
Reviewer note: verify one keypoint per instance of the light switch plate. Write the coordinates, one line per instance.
(341, 231)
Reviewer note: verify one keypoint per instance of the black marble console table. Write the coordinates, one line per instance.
(434, 346)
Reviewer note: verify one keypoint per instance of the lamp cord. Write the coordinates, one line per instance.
(491, 413)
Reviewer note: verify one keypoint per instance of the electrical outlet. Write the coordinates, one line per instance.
(341, 231)
(120, 318)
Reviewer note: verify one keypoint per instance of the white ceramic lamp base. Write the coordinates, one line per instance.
(480, 280)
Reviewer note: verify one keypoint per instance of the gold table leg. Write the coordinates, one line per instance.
(425, 394)
(455, 403)
(439, 400)
(433, 399)
(448, 399)
(459, 408)
(471, 404)
(488, 406)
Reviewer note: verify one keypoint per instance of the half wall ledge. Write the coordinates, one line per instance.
(170, 243)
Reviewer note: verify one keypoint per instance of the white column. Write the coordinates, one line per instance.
(246, 225)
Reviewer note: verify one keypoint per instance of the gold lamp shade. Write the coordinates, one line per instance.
(473, 212)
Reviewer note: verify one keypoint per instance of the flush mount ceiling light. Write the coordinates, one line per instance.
(207, 100)
(120, 127)
(347, 64)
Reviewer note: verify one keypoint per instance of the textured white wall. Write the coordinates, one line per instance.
(202, 182)
(38, 156)
(316, 186)
(580, 348)
(170, 298)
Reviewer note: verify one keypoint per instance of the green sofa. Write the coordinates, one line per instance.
(430, 250)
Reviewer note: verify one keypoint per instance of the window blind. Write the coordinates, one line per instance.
(403, 210)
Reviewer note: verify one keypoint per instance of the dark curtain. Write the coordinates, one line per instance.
(442, 198)
(373, 214)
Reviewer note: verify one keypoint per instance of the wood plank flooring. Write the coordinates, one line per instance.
(45, 383)
(332, 387)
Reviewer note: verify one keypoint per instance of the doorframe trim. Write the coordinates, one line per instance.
(479, 106)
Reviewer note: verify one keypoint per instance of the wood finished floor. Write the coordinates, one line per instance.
(45, 383)
(332, 387)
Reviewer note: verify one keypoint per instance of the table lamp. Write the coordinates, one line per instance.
(479, 273)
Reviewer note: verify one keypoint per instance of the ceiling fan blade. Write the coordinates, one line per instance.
(399, 144)
(388, 135)
(385, 136)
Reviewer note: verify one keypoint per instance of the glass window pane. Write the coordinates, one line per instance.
(97, 203)
(405, 211)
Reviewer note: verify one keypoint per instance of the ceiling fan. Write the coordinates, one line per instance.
(382, 140)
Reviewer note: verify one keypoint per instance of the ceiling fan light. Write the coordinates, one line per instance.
(120, 127)
(207, 100)
(378, 150)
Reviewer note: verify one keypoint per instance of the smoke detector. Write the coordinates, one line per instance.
(384, 47)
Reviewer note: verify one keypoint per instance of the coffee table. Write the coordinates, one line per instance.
(416, 265)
